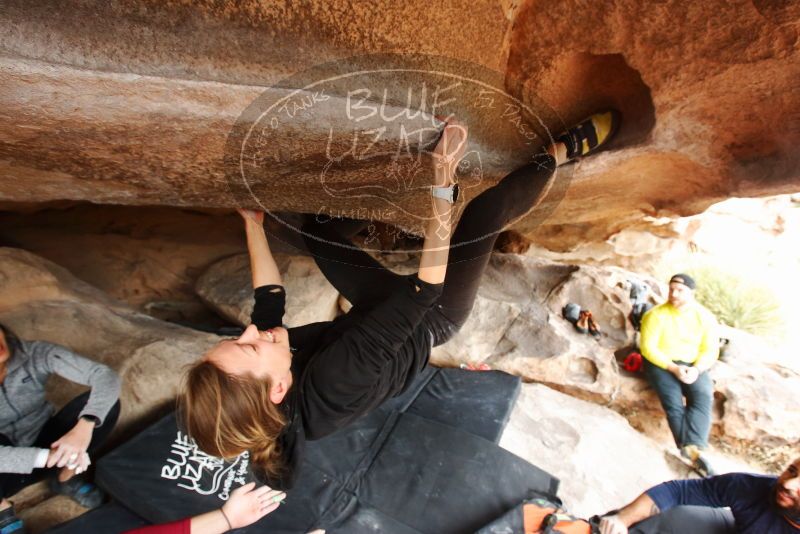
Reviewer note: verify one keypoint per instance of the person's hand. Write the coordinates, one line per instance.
(688, 375)
(450, 148)
(247, 505)
(611, 524)
(251, 215)
(72, 446)
(79, 465)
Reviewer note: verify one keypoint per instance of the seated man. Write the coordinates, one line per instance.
(679, 342)
(758, 504)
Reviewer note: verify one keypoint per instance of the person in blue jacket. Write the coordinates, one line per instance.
(758, 504)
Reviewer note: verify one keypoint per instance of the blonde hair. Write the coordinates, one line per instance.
(229, 414)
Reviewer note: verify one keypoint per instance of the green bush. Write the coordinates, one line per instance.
(736, 300)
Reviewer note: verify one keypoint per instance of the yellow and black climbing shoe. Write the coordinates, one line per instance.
(590, 135)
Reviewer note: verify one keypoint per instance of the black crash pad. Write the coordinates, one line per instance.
(435, 443)
(431, 478)
(110, 518)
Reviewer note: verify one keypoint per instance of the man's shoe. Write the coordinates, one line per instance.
(594, 330)
(703, 466)
(79, 490)
(582, 324)
(700, 463)
(690, 452)
(591, 134)
(10, 523)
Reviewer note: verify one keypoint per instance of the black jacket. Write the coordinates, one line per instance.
(344, 368)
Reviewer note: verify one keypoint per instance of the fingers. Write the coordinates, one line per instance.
(268, 501)
(62, 455)
(268, 509)
(271, 499)
(79, 464)
(58, 456)
(253, 215)
(245, 489)
(73, 460)
(70, 455)
(273, 496)
(262, 491)
(84, 464)
(612, 525)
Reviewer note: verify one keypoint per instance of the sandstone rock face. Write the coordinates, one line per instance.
(40, 300)
(149, 258)
(227, 286)
(609, 462)
(758, 397)
(516, 325)
(132, 103)
(687, 96)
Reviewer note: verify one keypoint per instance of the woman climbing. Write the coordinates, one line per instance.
(272, 388)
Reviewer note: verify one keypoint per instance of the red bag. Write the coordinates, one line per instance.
(633, 362)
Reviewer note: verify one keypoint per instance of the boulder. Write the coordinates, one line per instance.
(131, 103)
(228, 288)
(758, 398)
(516, 325)
(607, 462)
(148, 257)
(40, 300)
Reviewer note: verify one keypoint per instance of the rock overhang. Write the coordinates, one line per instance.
(132, 103)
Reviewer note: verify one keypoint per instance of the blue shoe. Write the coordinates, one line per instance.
(79, 490)
(9, 522)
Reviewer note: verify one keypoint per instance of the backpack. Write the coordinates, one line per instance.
(544, 514)
(540, 513)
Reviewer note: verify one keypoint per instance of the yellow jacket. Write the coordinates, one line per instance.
(687, 335)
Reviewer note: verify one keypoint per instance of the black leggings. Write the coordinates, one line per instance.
(55, 428)
(364, 282)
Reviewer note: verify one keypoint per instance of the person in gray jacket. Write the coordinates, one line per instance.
(36, 442)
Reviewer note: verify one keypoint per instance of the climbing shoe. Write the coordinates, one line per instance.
(79, 490)
(594, 330)
(582, 324)
(591, 134)
(700, 463)
(10, 523)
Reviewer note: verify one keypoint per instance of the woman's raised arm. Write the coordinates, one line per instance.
(262, 264)
(435, 249)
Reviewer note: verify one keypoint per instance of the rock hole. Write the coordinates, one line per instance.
(584, 371)
(582, 83)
